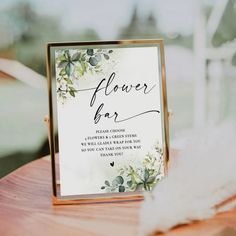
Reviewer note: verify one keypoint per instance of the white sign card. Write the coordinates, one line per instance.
(110, 115)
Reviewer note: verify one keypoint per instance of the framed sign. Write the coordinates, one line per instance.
(108, 114)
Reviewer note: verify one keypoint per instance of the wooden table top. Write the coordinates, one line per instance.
(26, 209)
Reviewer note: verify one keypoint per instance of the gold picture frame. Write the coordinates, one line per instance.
(57, 198)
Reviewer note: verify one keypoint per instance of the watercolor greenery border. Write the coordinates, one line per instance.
(73, 64)
(138, 178)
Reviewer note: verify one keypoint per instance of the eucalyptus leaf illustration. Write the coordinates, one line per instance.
(98, 57)
(62, 64)
(73, 64)
(90, 52)
(121, 188)
(129, 183)
(118, 180)
(137, 178)
(69, 69)
(93, 61)
(106, 56)
(76, 56)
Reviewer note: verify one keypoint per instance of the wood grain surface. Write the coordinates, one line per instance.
(26, 209)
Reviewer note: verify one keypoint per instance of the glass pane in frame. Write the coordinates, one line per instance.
(108, 114)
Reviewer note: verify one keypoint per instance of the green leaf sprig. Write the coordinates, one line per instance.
(143, 177)
(74, 64)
